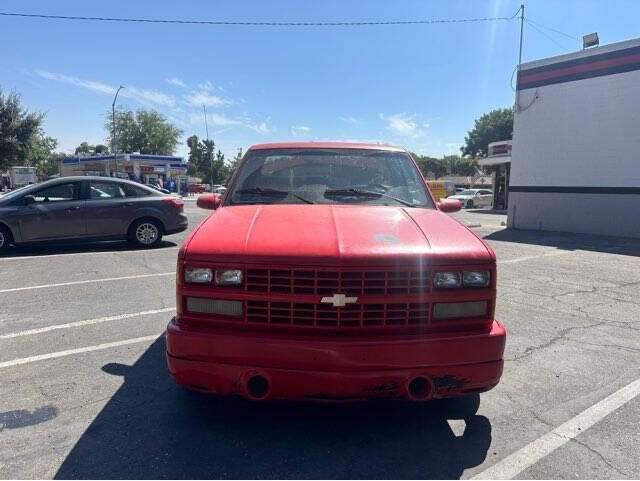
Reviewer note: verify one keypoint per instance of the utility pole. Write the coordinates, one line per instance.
(206, 126)
(113, 134)
(519, 56)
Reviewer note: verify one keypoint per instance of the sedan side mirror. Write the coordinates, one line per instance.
(28, 199)
(449, 205)
(209, 201)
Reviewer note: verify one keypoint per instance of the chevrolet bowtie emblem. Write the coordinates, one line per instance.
(339, 300)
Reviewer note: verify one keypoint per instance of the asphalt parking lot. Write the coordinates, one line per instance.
(84, 391)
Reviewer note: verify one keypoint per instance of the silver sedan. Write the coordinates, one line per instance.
(89, 208)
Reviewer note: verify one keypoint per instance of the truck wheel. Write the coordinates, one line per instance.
(5, 239)
(469, 204)
(145, 233)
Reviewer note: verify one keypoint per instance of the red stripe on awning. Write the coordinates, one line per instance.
(585, 67)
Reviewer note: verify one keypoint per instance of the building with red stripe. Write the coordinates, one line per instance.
(575, 160)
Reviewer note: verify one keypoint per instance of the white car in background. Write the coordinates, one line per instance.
(472, 198)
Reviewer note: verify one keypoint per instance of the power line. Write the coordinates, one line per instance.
(554, 30)
(543, 33)
(256, 24)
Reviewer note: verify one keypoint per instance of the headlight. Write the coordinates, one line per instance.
(476, 278)
(198, 275)
(444, 280)
(228, 277)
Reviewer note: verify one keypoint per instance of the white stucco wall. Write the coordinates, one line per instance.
(580, 133)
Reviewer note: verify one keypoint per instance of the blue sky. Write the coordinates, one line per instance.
(416, 86)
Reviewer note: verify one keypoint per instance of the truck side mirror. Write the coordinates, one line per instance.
(209, 201)
(449, 205)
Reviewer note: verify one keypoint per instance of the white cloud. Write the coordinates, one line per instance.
(148, 96)
(349, 119)
(300, 130)
(198, 99)
(261, 128)
(143, 96)
(404, 124)
(453, 148)
(176, 81)
(208, 86)
(221, 120)
(87, 84)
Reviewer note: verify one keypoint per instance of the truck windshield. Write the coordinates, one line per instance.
(329, 176)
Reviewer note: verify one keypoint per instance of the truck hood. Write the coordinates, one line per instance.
(334, 235)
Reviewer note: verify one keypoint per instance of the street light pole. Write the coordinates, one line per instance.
(113, 122)
(206, 126)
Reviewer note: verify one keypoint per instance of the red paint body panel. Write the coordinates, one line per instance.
(334, 234)
(373, 348)
(311, 368)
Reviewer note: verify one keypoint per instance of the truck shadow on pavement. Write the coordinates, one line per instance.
(78, 247)
(153, 429)
(569, 241)
(488, 211)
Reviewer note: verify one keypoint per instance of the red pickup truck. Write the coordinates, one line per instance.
(195, 188)
(328, 272)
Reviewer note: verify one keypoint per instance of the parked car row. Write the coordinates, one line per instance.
(89, 208)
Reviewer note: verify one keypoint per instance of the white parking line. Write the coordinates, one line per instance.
(90, 281)
(533, 452)
(70, 352)
(530, 258)
(87, 322)
(43, 256)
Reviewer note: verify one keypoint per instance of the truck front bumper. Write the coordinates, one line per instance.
(335, 370)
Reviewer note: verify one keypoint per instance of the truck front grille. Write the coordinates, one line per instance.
(325, 315)
(321, 282)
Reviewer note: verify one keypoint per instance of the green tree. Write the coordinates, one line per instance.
(40, 152)
(87, 149)
(491, 127)
(462, 166)
(20, 130)
(146, 131)
(211, 167)
(431, 167)
(232, 165)
(51, 165)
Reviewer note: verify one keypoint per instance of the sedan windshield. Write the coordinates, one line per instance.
(329, 176)
(17, 192)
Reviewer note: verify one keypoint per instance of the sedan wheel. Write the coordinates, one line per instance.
(5, 239)
(146, 233)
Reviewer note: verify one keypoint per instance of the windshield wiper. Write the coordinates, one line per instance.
(273, 192)
(364, 193)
